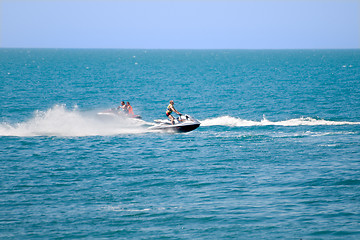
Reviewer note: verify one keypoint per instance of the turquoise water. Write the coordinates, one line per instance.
(277, 155)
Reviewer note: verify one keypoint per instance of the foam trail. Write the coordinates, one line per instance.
(58, 121)
(237, 122)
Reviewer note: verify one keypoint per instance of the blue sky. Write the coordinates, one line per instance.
(172, 24)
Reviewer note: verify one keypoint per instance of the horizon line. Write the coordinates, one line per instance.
(115, 48)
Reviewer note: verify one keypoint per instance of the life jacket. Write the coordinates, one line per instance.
(169, 109)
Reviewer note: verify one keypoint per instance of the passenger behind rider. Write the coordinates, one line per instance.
(171, 109)
(129, 109)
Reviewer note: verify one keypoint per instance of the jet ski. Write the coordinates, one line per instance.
(184, 123)
(117, 112)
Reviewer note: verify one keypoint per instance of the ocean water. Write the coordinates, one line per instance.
(277, 155)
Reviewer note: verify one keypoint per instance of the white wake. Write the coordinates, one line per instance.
(238, 122)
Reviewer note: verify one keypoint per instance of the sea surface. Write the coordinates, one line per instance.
(277, 155)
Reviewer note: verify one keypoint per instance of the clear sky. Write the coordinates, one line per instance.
(173, 24)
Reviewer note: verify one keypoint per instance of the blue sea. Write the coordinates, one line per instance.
(277, 155)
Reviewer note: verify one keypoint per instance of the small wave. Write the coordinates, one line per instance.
(59, 121)
(238, 122)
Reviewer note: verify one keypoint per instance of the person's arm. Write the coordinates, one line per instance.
(175, 110)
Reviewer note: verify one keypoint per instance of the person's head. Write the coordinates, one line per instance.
(171, 102)
(122, 103)
(127, 103)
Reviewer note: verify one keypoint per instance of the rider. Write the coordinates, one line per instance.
(171, 109)
(122, 107)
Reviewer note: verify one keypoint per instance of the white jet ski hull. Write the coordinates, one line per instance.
(114, 112)
(181, 126)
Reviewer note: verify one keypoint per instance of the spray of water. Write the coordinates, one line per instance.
(59, 121)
